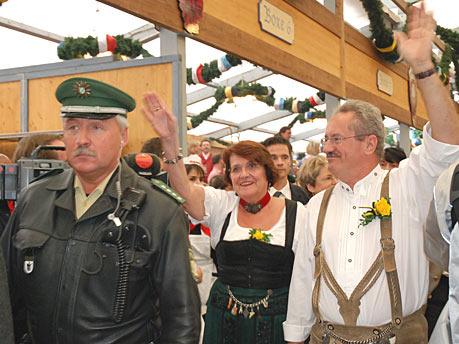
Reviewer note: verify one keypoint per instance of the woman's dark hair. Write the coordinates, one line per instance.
(190, 167)
(394, 155)
(254, 152)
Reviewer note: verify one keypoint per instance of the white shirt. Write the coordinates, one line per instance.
(285, 191)
(350, 250)
(218, 203)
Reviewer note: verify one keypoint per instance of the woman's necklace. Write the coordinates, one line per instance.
(254, 208)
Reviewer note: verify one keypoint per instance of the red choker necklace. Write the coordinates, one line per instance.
(254, 208)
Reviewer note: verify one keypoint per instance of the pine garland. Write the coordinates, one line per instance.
(73, 48)
(382, 36)
(210, 70)
(241, 89)
(224, 143)
(451, 53)
(304, 115)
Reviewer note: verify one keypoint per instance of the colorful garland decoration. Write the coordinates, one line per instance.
(386, 43)
(303, 107)
(384, 39)
(266, 95)
(73, 48)
(241, 89)
(209, 71)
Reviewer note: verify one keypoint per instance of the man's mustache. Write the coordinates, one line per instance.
(333, 154)
(83, 151)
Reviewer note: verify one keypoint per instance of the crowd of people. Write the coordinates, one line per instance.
(230, 246)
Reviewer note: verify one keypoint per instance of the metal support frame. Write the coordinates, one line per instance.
(332, 104)
(30, 30)
(404, 139)
(250, 124)
(173, 43)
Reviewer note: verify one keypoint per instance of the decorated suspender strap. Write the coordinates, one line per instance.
(318, 251)
(387, 249)
(388, 252)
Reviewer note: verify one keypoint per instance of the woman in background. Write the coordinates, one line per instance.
(314, 175)
(392, 157)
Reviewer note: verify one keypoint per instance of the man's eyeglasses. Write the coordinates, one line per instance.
(336, 141)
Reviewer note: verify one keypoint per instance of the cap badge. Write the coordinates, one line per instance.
(81, 89)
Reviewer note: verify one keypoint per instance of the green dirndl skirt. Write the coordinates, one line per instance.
(265, 327)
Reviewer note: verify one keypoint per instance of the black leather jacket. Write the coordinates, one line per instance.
(71, 294)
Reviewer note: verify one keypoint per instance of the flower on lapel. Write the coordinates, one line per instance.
(260, 235)
(380, 209)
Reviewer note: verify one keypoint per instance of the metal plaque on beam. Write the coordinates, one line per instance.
(275, 21)
(385, 82)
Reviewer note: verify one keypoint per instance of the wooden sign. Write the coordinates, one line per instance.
(275, 21)
(385, 83)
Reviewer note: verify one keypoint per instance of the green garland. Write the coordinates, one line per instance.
(241, 89)
(224, 143)
(304, 107)
(262, 93)
(74, 48)
(451, 53)
(382, 36)
(384, 39)
(210, 70)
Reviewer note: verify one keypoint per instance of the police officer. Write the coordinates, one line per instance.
(97, 254)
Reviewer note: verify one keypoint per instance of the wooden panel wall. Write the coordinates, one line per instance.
(10, 110)
(44, 108)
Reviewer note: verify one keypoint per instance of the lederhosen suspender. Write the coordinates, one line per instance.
(349, 307)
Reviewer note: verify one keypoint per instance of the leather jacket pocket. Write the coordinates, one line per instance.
(28, 241)
(29, 238)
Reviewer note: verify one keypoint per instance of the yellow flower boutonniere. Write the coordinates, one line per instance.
(260, 235)
(380, 209)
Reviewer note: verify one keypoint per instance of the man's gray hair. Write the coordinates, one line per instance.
(122, 122)
(368, 120)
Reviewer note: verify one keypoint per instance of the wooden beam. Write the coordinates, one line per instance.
(387, 108)
(319, 13)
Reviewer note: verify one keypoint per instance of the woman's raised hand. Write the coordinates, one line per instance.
(160, 117)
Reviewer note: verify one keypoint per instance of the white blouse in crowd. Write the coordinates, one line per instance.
(350, 250)
(218, 203)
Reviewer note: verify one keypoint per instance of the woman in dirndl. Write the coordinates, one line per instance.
(254, 235)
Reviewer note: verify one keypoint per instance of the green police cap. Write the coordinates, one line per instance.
(93, 99)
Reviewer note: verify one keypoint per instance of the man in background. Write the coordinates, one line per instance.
(281, 153)
(285, 132)
(206, 157)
